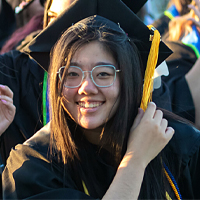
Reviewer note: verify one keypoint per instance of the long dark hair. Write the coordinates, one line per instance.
(116, 131)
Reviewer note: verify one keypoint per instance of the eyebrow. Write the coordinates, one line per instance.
(96, 64)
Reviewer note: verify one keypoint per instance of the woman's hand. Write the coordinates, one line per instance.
(7, 109)
(149, 135)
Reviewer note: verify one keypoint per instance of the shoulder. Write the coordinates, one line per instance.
(35, 147)
(40, 140)
(15, 60)
(186, 140)
(13, 54)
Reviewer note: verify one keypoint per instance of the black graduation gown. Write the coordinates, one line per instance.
(29, 174)
(24, 76)
(7, 22)
(179, 63)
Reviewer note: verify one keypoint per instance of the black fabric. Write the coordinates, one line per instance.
(134, 5)
(25, 78)
(7, 22)
(40, 47)
(161, 97)
(35, 177)
(26, 40)
(179, 63)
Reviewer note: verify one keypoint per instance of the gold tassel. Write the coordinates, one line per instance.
(150, 68)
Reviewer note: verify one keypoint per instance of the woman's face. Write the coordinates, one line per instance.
(89, 105)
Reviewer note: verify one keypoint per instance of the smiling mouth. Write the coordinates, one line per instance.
(89, 105)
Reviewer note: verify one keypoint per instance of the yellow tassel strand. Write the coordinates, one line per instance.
(151, 65)
(85, 188)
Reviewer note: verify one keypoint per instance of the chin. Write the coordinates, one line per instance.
(89, 125)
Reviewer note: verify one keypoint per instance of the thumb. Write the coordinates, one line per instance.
(138, 118)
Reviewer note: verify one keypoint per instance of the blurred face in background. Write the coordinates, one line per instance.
(24, 17)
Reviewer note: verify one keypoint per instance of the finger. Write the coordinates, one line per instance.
(169, 133)
(164, 124)
(6, 98)
(196, 11)
(138, 118)
(11, 108)
(158, 116)
(194, 21)
(150, 111)
(5, 90)
(197, 3)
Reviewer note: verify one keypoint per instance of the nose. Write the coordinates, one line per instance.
(87, 86)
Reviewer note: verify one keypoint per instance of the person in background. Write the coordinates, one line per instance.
(29, 8)
(31, 26)
(174, 8)
(183, 38)
(99, 144)
(152, 10)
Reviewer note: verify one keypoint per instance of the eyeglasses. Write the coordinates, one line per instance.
(101, 75)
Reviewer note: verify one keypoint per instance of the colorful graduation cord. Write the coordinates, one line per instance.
(45, 100)
(171, 12)
(172, 182)
(192, 40)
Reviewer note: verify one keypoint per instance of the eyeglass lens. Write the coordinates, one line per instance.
(100, 75)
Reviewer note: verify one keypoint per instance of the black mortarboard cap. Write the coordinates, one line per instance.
(135, 5)
(114, 10)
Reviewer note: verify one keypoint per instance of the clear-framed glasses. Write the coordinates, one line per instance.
(101, 75)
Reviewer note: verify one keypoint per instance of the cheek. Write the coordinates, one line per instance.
(69, 94)
(116, 95)
(112, 95)
(68, 97)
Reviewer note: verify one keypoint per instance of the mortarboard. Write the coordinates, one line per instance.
(134, 5)
(114, 10)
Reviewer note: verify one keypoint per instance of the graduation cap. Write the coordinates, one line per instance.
(134, 5)
(117, 12)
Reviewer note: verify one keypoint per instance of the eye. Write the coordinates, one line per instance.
(103, 74)
(72, 74)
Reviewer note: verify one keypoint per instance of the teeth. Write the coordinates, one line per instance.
(89, 105)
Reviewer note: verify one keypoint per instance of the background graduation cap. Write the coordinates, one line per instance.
(114, 10)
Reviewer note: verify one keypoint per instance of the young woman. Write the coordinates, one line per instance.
(99, 144)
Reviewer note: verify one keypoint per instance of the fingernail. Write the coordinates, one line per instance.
(152, 103)
(4, 101)
(2, 86)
